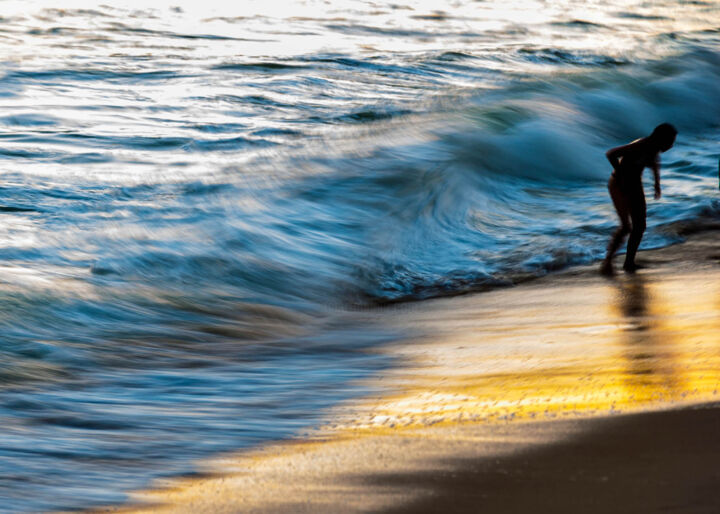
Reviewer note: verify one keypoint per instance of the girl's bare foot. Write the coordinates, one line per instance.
(606, 268)
(632, 267)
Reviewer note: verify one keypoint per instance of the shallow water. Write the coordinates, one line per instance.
(196, 201)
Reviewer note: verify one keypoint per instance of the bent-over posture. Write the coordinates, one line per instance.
(626, 189)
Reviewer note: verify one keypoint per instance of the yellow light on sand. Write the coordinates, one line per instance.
(623, 346)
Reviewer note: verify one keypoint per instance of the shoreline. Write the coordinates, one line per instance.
(497, 392)
(682, 229)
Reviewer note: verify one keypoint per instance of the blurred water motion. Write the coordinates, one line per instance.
(197, 199)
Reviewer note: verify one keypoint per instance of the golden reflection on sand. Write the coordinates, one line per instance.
(575, 348)
(571, 346)
(650, 347)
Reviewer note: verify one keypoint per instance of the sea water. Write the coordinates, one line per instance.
(194, 196)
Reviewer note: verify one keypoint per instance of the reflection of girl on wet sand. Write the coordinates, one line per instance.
(626, 189)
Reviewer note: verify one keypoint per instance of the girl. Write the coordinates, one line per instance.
(626, 190)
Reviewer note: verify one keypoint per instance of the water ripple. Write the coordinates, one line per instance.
(202, 204)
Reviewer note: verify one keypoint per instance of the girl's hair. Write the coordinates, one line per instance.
(664, 134)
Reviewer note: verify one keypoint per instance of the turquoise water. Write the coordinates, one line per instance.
(201, 205)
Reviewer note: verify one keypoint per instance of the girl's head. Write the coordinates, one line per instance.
(664, 136)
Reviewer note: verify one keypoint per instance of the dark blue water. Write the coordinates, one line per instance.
(202, 205)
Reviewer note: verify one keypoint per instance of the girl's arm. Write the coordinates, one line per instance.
(614, 154)
(656, 173)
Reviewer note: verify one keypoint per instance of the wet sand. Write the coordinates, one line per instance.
(573, 393)
(647, 463)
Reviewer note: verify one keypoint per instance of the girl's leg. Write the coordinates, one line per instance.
(638, 214)
(620, 202)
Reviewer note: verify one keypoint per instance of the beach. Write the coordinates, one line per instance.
(314, 251)
(612, 409)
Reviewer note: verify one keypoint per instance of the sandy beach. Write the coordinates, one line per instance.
(342, 256)
(571, 393)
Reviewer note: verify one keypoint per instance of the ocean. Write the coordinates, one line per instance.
(203, 203)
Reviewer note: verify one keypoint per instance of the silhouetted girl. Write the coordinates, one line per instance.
(626, 189)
